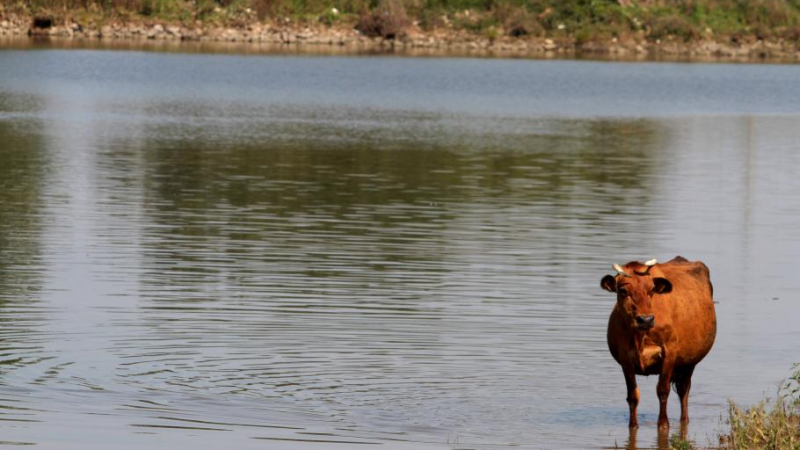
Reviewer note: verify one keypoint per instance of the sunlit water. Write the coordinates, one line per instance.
(309, 252)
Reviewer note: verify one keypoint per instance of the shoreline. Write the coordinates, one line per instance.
(261, 37)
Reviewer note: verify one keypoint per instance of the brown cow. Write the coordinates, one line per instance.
(663, 323)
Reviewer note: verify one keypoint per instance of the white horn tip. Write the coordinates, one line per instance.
(620, 270)
(652, 262)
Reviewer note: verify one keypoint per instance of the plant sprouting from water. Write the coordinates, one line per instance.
(791, 388)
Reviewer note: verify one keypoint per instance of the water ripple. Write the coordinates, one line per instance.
(181, 267)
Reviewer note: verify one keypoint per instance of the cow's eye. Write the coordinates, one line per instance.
(623, 292)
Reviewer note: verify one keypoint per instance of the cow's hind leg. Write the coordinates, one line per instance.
(633, 395)
(683, 382)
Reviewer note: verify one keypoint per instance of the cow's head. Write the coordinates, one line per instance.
(635, 285)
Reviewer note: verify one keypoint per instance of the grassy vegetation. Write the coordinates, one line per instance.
(768, 426)
(676, 442)
(579, 20)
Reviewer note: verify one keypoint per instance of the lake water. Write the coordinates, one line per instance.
(288, 252)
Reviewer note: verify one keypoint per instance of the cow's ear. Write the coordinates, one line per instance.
(661, 286)
(609, 283)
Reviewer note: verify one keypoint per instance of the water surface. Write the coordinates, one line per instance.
(325, 252)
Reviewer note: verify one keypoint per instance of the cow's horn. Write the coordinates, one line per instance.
(620, 271)
(651, 263)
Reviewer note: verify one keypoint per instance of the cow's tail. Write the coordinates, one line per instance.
(680, 376)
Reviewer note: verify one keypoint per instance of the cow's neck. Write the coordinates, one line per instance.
(647, 350)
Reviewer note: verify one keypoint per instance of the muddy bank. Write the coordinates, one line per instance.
(345, 39)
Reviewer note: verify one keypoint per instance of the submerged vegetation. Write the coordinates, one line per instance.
(768, 426)
(578, 20)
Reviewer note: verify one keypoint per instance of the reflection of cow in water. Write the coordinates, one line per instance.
(663, 323)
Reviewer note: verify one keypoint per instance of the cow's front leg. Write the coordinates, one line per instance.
(662, 389)
(633, 395)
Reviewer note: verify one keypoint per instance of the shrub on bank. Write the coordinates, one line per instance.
(388, 20)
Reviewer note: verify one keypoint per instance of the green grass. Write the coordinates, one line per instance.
(580, 20)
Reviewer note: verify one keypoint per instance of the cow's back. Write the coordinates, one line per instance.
(687, 312)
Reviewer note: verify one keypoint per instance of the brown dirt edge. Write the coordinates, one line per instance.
(345, 39)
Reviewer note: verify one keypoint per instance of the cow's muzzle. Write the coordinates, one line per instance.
(645, 322)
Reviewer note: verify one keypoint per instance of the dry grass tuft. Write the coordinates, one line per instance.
(768, 426)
